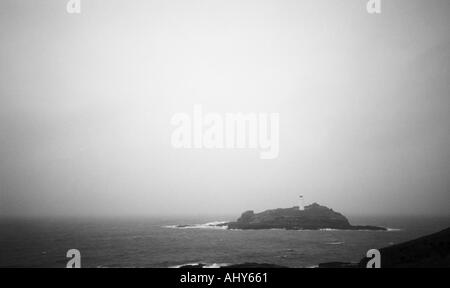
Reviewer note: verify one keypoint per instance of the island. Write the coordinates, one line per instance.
(311, 217)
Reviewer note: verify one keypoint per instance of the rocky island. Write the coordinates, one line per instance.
(311, 217)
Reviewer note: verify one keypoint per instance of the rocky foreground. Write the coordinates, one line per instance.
(243, 265)
(313, 217)
(432, 251)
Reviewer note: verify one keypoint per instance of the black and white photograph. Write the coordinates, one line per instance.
(229, 134)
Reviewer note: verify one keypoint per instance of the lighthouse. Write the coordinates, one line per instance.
(301, 205)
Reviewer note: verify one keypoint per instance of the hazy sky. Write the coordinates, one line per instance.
(86, 102)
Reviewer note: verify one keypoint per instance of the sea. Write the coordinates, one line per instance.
(158, 242)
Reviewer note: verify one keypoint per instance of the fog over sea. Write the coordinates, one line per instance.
(153, 242)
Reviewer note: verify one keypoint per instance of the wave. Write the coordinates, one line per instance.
(210, 225)
(362, 230)
(393, 229)
(220, 226)
(334, 243)
(202, 265)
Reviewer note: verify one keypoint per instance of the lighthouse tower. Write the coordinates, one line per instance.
(301, 205)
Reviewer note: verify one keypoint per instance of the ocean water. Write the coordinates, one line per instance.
(153, 242)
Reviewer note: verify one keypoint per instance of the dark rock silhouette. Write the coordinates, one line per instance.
(254, 265)
(339, 265)
(428, 251)
(313, 217)
(432, 251)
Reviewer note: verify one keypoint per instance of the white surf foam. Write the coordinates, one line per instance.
(205, 265)
(394, 229)
(209, 225)
(335, 243)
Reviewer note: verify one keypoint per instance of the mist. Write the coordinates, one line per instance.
(86, 102)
